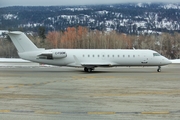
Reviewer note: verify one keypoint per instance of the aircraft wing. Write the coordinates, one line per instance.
(97, 64)
(92, 64)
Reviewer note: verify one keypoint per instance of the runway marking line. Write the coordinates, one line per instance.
(47, 112)
(5, 111)
(20, 85)
(1, 88)
(11, 86)
(156, 112)
(89, 113)
(101, 113)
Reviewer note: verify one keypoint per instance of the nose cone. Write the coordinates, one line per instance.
(166, 61)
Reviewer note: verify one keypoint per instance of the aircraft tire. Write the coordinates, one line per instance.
(158, 70)
(86, 69)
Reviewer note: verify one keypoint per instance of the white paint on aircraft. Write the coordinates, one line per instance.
(89, 59)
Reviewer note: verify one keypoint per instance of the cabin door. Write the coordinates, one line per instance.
(144, 59)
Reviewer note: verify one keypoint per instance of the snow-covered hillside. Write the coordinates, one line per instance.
(135, 18)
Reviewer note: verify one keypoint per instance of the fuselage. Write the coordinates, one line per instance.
(86, 58)
(115, 57)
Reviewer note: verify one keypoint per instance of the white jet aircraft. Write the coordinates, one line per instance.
(89, 59)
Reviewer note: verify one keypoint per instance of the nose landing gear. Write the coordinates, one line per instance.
(159, 69)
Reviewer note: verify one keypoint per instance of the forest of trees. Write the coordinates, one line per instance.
(83, 38)
(129, 18)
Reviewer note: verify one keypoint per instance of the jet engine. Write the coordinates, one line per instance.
(58, 55)
(52, 55)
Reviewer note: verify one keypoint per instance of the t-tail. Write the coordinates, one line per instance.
(22, 42)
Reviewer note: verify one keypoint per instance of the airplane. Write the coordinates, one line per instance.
(88, 59)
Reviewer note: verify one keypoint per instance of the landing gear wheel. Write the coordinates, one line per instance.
(88, 69)
(85, 69)
(159, 69)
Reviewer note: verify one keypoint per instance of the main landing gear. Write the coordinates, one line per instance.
(88, 69)
(159, 69)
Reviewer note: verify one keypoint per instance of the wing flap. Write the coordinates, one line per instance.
(98, 64)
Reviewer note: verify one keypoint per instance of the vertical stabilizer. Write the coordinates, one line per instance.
(22, 42)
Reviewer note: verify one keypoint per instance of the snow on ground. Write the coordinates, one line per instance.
(175, 61)
(13, 60)
(1, 31)
(18, 62)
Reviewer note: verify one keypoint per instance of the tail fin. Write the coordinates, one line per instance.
(22, 42)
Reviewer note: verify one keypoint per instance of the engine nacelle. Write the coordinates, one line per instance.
(59, 54)
(52, 55)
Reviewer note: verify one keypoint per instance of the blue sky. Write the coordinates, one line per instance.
(4, 3)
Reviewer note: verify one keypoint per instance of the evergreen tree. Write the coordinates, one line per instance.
(41, 32)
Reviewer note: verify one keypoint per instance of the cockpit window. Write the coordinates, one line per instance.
(156, 54)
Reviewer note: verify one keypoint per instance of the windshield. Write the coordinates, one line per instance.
(156, 54)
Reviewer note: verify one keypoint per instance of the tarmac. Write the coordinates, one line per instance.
(55, 93)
